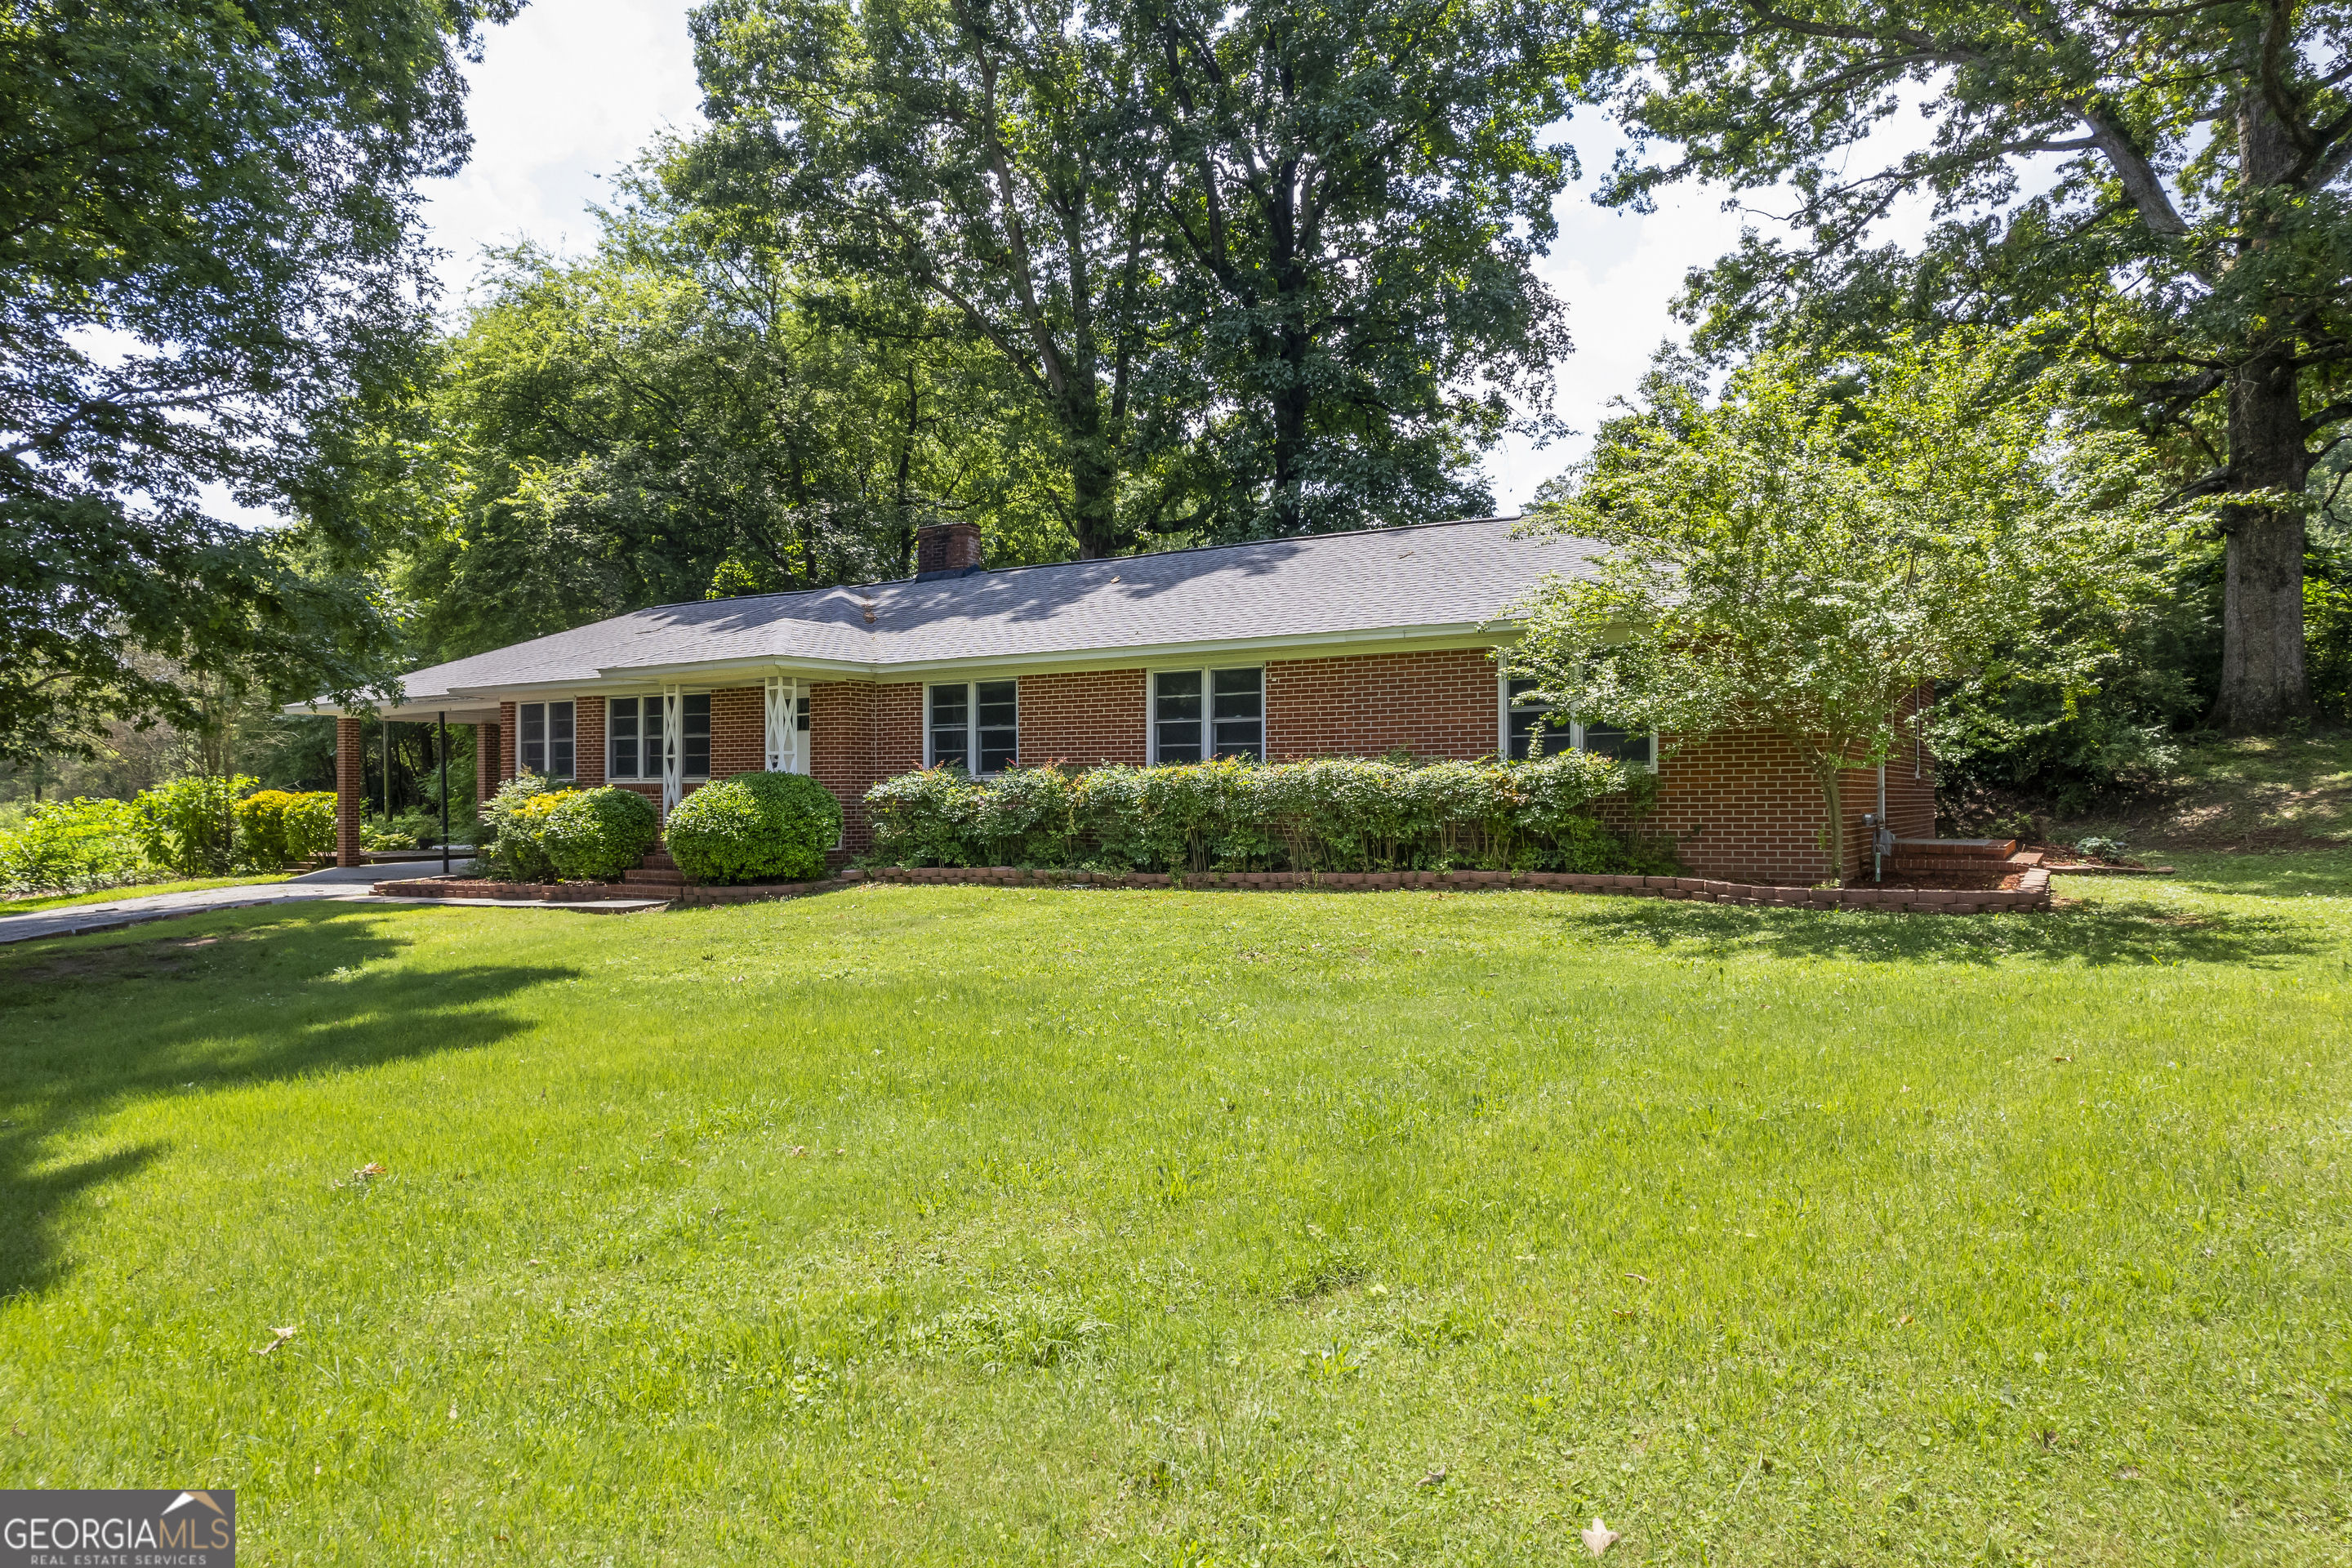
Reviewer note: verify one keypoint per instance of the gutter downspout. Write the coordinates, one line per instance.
(1877, 859)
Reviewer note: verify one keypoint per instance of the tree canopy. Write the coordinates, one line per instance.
(1262, 270)
(1814, 553)
(2171, 178)
(208, 267)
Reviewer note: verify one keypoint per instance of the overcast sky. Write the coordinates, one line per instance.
(570, 90)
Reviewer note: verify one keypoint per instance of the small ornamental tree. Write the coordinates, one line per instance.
(1809, 555)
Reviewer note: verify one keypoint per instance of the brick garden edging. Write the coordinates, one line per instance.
(2033, 893)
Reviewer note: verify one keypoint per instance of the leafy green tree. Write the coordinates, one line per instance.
(1262, 270)
(1813, 553)
(207, 265)
(669, 418)
(1353, 194)
(987, 153)
(2173, 178)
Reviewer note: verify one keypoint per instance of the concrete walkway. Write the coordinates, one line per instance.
(351, 883)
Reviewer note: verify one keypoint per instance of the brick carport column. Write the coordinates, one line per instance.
(351, 791)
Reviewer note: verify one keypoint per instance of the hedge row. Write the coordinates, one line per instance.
(1228, 816)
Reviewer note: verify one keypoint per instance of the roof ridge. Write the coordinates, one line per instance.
(1099, 560)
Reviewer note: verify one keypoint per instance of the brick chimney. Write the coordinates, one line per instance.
(947, 550)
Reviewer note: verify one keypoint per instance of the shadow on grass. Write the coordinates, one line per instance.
(2303, 873)
(90, 1026)
(2113, 931)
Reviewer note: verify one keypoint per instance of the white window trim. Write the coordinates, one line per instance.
(1207, 672)
(659, 697)
(1575, 728)
(546, 740)
(971, 718)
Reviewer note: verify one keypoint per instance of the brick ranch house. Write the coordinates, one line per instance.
(1334, 644)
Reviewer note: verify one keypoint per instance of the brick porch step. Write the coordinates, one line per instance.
(658, 860)
(642, 878)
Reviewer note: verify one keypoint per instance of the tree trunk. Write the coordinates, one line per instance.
(1094, 494)
(1832, 774)
(2263, 681)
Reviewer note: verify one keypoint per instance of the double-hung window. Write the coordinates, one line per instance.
(543, 737)
(1202, 713)
(1529, 730)
(633, 729)
(693, 736)
(974, 725)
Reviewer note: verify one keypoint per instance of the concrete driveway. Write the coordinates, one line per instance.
(336, 882)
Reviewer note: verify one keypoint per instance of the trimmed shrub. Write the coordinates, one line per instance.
(511, 851)
(1341, 815)
(75, 845)
(190, 825)
(277, 827)
(924, 818)
(595, 834)
(755, 828)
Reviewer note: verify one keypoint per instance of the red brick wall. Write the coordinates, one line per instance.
(1740, 805)
(860, 733)
(1086, 719)
(1747, 806)
(1438, 706)
(588, 757)
(738, 730)
(351, 770)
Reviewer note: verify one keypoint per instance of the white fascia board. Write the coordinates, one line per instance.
(624, 678)
(1215, 651)
(456, 709)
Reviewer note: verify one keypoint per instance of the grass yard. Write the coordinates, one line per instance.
(955, 1225)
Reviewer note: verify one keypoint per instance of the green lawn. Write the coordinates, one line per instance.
(135, 890)
(949, 1225)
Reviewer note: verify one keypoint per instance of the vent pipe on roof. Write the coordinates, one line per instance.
(947, 550)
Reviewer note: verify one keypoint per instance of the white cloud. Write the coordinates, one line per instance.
(565, 94)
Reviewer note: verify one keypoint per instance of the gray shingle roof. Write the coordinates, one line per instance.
(1437, 579)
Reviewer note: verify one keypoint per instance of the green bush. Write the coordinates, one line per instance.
(925, 818)
(510, 850)
(276, 829)
(189, 824)
(75, 845)
(1340, 815)
(595, 834)
(755, 828)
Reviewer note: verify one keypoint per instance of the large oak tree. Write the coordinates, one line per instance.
(2171, 178)
(208, 263)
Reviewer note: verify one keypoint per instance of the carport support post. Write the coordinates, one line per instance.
(442, 720)
(351, 790)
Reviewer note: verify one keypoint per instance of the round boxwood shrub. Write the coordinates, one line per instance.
(595, 834)
(755, 828)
